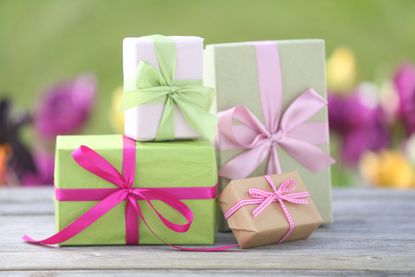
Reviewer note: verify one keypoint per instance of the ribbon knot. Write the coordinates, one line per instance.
(129, 191)
(276, 137)
(264, 198)
(173, 91)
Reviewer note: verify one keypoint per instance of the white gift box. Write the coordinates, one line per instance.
(141, 123)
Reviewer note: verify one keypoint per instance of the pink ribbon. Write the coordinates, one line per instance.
(264, 198)
(291, 132)
(124, 191)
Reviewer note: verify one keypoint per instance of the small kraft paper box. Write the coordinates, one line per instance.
(269, 209)
(272, 112)
(163, 94)
(163, 173)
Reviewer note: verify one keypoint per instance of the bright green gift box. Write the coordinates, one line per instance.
(158, 164)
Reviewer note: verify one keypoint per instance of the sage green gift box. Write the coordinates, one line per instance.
(231, 69)
(158, 164)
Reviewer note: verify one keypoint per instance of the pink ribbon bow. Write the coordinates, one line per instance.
(264, 198)
(292, 132)
(124, 191)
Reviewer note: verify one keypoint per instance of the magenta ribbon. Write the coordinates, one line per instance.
(124, 191)
(264, 198)
(291, 132)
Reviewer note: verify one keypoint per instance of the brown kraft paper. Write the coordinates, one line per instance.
(271, 224)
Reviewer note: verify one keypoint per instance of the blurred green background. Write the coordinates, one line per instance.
(44, 41)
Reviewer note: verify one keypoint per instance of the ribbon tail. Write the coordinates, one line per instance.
(82, 222)
(309, 155)
(180, 248)
(182, 209)
(191, 249)
(166, 130)
(201, 120)
(174, 203)
(131, 223)
(245, 163)
(291, 223)
(274, 166)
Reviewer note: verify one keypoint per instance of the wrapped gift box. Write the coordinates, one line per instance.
(270, 225)
(186, 59)
(185, 164)
(234, 70)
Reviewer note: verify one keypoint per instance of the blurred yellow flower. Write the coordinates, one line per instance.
(116, 116)
(388, 169)
(341, 70)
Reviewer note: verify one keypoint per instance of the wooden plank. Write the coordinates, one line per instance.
(365, 201)
(374, 232)
(328, 238)
(142, 258)
(37, 194)
(29, 201)
(207, 273)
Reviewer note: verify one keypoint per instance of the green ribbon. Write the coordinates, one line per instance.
(153, 86)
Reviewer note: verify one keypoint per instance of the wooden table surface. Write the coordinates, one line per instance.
(373, 234)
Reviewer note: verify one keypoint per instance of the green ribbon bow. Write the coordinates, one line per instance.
(152, 85)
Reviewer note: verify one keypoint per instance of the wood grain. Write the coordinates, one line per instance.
(373, 234)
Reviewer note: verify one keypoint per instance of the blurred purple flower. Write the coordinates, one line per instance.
(44, 163)
(373, 136)
(348, 112)
(66, 107)
(361, 127)
(404, 80)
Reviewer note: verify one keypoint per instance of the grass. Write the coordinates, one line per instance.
(44, 41)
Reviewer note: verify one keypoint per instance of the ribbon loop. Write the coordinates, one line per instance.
(97, 165)
(147, 76)
(171, 201)
(302, 109)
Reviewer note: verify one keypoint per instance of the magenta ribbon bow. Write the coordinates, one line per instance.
(124, 191)
(264, 198)
(291, 132)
